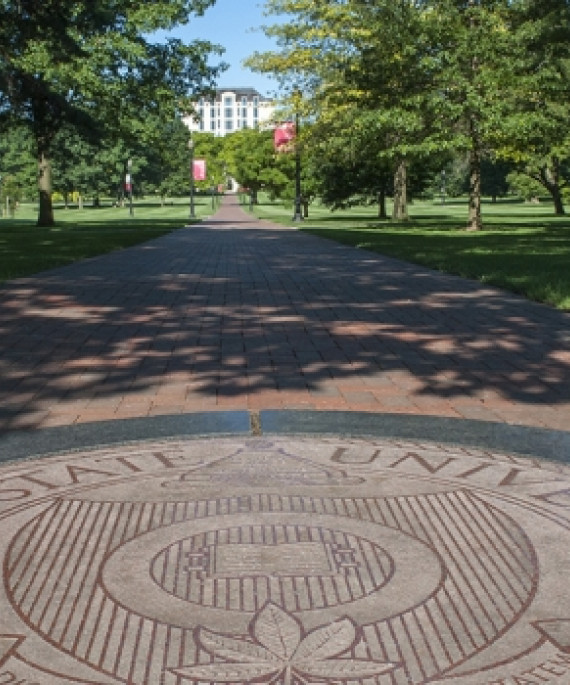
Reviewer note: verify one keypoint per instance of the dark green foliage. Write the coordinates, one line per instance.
(253, 162)
(90, 67)
(481, 80)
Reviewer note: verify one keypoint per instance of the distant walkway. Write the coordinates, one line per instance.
(236, 313)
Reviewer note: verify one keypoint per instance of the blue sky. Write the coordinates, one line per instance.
(234, 24)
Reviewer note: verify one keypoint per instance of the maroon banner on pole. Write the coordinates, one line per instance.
(199, 170)
(283, 137)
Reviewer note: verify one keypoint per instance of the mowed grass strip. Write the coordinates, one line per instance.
(523, 248)
(26, 249)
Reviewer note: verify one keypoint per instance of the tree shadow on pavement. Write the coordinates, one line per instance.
(217, 312)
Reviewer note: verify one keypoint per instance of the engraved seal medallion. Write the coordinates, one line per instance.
(289, 561)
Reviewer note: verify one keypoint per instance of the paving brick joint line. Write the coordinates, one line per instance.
(240, 314)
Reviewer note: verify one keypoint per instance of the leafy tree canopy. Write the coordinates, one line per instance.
(253, 162)
(92, 65)
(480, 77)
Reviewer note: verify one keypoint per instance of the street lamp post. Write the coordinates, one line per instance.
(129, 185)
(191, 148)
(297, 216)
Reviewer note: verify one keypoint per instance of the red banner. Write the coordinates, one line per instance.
(283, 136)
(199, 170)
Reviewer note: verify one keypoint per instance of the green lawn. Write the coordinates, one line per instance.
(26, 249)
(523, 248)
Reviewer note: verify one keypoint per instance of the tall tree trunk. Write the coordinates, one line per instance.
(400, 209)
(382, 204)
(550, 176)
(45, 216)
(475, 221)
(558, 202)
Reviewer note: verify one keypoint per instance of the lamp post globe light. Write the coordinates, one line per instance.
(191, 149)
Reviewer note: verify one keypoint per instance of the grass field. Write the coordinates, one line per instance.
(26, 249)
(523, 248)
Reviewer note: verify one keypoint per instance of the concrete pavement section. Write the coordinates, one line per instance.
(239, 454)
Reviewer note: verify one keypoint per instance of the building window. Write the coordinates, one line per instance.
(228, 107)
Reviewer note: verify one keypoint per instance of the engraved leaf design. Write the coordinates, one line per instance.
(282, 651)
(344, 669)
(229, 672)
(327, 641)
(229, 648)
(277, 630)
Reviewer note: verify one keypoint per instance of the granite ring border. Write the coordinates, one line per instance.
(525, 441)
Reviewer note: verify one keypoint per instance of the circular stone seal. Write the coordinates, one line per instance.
(285, 561)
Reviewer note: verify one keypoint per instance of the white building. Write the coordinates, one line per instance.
(231, 110)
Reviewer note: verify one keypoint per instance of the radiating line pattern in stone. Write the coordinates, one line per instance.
(488, 577)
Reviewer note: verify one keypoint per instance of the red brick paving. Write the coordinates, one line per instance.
(240, 314)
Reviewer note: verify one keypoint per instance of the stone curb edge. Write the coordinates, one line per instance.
(524, 441)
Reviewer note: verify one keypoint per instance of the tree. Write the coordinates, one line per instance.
(17, 163)
(211, 148)
(475, 77)
(253, 162)
(91, 66)
(494, 181)
(367, 65)
(74, 162)
(166, 170)
(343, 155)
(524, 186)
(536, 133)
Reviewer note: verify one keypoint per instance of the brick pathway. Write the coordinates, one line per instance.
(240, 314)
